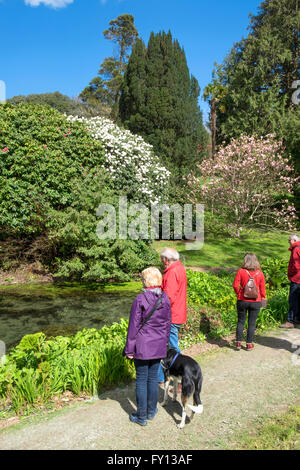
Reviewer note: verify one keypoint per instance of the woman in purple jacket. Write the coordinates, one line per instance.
(148, 345)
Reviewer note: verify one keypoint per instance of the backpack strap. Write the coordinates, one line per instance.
(251, 277)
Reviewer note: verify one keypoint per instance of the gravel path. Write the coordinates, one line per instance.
(238, 388)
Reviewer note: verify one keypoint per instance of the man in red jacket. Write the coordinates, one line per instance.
(294, 277)
(174, 284)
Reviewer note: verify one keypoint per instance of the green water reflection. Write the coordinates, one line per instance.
(61, 309)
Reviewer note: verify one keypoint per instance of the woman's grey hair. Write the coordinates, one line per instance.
(295, 237)
(170, 254)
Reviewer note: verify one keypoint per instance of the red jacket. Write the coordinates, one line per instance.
(294, 264)
(241, 280)
(174, 284)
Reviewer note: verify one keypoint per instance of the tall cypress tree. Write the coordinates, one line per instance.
(159, 100)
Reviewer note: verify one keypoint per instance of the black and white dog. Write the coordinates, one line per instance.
(177, 365)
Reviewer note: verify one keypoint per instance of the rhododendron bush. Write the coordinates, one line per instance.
(54, 173)
(41, 154)
(248, 182)
(130, 161)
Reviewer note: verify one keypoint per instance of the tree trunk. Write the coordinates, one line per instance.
(213, 114)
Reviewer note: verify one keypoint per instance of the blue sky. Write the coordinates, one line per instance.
(46, 49)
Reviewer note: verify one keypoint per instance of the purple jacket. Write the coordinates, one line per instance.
(151, 341)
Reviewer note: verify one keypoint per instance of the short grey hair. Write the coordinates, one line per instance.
(295, 237)
(170, 253)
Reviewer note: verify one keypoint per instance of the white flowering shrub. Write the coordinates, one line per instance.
(131, 162)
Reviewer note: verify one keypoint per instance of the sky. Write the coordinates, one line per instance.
(58, 45)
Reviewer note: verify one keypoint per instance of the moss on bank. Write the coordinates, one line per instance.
(70, 288)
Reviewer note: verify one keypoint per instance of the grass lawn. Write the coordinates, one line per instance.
(229, 252)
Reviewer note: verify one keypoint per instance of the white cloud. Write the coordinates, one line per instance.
(49, 3)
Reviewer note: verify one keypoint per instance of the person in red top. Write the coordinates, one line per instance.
(294, 278)
(251, 267)
(174, 284)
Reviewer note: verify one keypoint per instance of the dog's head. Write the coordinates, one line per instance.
(171, 353)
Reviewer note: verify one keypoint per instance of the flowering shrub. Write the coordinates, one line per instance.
(131, 162)
(40, 156)
(249, 180)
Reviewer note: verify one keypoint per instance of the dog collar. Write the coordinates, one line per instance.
(174, 359)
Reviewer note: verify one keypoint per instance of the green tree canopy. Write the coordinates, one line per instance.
(63, 104)
(259, 72)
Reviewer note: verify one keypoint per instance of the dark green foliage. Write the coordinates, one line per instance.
(259, 72)
(275, 272)
(56, 100)
(159, 101)
(80, 255)
(40, 153)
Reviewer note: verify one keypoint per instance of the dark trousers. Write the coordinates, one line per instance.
(294, 301)
(244, 307)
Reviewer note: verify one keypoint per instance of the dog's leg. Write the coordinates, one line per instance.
(183, 416)
(175, 385)
(197, 405)
(193, 412)
(196, 408)
(166, 391)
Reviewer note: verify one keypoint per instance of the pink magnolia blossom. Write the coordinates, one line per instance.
(249, 178)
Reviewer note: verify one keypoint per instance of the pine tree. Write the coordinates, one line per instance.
(159, 100)
(105, 88)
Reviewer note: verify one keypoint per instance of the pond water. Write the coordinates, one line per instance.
(60, 310)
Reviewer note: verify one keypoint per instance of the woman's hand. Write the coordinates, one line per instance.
(129, 356)
(264, 302)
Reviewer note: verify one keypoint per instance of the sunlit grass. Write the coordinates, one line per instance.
(228, 253)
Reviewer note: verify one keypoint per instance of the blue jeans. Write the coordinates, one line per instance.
(146, 386)
(294, 301)
(173, 343)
